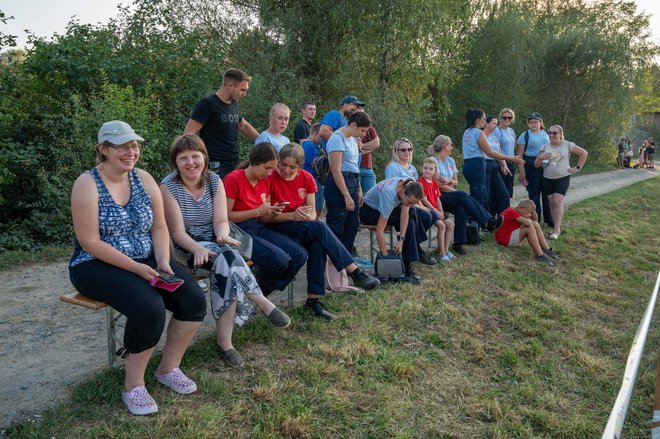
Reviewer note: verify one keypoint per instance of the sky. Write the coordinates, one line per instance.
(46, 17)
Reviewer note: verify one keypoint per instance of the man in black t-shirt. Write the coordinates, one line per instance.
(217, 119)
(304, 125)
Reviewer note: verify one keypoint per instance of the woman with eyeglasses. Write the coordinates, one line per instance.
(475, 149)
(507, 138)
(401, 164)
(121, 242)
(553, 158)
(529, 176)
(498, 195)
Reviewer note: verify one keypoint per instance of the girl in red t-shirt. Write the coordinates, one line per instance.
(277, 257)
(295, 189)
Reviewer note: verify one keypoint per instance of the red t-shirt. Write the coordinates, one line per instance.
(503, 234)
(245, 196)
(431, 191)
(368, 137)
(294, 191)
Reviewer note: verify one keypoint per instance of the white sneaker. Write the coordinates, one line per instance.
(139, 402)
(553, 235)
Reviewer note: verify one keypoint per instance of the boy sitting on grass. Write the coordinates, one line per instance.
(431, 201)
(520, 223)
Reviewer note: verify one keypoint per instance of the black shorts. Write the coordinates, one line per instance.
(555, 185)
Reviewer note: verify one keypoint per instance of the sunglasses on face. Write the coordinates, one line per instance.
(507, 117)
(553, 133)
(405, 149)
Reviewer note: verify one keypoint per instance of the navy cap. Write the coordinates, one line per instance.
(534, 115)
(351, 100)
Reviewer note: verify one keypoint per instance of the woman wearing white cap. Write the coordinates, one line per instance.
(121, 240)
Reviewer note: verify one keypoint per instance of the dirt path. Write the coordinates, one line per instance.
(48, 346)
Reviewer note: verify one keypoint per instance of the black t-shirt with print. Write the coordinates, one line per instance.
(220, 122)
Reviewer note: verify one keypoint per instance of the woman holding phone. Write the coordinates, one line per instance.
(294, 189)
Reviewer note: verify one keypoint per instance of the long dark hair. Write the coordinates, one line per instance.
(472, 115)
(263, 152)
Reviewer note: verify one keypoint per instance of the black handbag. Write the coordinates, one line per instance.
(389, 266)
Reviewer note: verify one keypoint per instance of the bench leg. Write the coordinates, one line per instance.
(289, 290)
(371, 245)
(112, 317)
(391, 238)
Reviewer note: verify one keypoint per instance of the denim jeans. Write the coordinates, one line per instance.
(463, 206)
(367, 179)
(344, 224)
(474, 171)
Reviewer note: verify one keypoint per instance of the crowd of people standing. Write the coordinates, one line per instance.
(124, 220)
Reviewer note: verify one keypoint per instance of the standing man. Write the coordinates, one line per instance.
(368, 143)
(304, 125)
(217, 119)
(335, 119)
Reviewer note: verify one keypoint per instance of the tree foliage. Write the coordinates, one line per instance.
(419, 65)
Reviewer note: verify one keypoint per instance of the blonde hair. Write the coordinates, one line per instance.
(560, 129)
(279, 106)
(438, 143)
(507, 110)
(430, 161)
(526, 204)
(397, 143)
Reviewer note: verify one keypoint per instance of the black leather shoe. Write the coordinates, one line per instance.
(494, 223)
(425, 259)
(362, 279)
(458, 248)
(319, 309)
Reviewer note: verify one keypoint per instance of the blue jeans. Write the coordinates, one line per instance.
(319, 242)
(344, 224)
(419, 222)
(367, 179)
(463, 206)
(474, 171)
(498, 195)
(534, 178)
(319, 199)
(278, 256)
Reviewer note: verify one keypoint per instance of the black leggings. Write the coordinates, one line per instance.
(143, 305)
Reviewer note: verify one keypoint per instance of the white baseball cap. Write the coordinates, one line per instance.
(117, 133)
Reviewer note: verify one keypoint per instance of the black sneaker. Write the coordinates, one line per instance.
(458, 248)
(319, 309)
(413, 280)
(410, 273)
(362, 279)
(494, 223)
(551, 254)
(545, 260)
(425, 258)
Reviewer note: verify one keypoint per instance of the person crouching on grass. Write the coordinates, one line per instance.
(520, 223)
(431, 201)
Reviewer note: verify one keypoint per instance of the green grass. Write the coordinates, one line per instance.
(494, 345)
(13, 258)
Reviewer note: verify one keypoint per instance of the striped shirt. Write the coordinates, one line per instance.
(197, 214)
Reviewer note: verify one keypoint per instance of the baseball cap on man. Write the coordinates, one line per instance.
(534, 115)
(351, 100)
(117, 133)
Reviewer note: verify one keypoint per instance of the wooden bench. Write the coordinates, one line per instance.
(372, 230)
(112, 316)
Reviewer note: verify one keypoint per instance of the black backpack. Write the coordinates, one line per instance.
(321, 165)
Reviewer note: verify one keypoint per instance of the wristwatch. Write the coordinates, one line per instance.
(578, 167)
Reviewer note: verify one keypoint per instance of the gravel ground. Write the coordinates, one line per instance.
(49, 346)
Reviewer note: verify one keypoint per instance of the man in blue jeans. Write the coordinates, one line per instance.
(368, 143)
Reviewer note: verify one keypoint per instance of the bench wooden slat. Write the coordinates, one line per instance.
(80, 300)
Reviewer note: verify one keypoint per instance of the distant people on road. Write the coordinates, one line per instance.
(304, 125)
(278, 120)
(649, 154)
(520, 224)
(122, 246)
(553, 159)
(621, 153)
(217, 119)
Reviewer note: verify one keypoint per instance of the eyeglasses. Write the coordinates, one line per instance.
(123, 149)
(507, 117)
(405, 149)
(553, 133)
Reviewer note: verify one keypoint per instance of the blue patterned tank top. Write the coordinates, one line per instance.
(126, 228)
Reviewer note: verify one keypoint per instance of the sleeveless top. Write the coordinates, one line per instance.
(471, 144)
(125, 228)
(197, 214)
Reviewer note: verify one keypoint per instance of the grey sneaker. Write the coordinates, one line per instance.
(279, 319)
(545, 260)
(231, 357)
(551, 254)
(425, 259)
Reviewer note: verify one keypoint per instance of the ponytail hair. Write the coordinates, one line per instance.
(413, 188)
(360, 118)
(472, 115)
(438, 143)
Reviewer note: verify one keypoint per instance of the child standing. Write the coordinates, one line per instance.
(312, 148)
(520, 223)
(431, 201)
